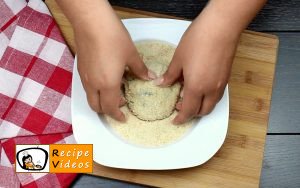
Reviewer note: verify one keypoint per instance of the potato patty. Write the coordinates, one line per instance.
(146, 100)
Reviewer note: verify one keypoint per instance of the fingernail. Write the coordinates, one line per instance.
(122, 101)
(178, 105)
(151, 74)
(181, 93)
(158, 81)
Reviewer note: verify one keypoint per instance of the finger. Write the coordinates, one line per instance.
(110, 101)
(171, 75)
(208, 105)
(179, 103)
(122, 101)
(93, 98)
(83, 77)
(181, 93)
(191, 104)
(220, 95)
(92, 95)
(139, 69)
(178, 106)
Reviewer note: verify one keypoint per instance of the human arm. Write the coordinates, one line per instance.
(205, 54)
(104, 48)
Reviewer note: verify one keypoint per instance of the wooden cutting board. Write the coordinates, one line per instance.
(238, 163)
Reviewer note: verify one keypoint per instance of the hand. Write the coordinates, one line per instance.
(103, 51)
(204, 57)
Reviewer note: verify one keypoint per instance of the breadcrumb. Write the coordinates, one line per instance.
(149, 102)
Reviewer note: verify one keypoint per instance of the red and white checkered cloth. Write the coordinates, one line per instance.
(35, 88)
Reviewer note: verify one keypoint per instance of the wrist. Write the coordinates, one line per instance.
(97, 26)
(235, 15)
(216, 31)
(224, 20)
(89, 14)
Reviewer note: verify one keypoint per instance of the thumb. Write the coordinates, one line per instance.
(139, 69)
(171, 75)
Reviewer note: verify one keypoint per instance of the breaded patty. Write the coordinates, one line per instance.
(146, 100)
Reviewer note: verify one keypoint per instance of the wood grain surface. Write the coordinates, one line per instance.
(238, 163)
(122, 12)
(281, 167)
(277, 15)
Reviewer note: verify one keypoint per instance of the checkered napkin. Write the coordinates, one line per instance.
(35, 88)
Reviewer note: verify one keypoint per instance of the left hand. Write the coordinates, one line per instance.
(204, 57)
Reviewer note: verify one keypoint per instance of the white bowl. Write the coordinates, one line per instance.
(195, 148)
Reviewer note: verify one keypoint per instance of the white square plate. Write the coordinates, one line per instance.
(195, 148)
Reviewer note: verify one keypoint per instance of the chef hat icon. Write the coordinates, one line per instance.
(25, 153)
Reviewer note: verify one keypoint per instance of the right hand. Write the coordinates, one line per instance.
(103, 52)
